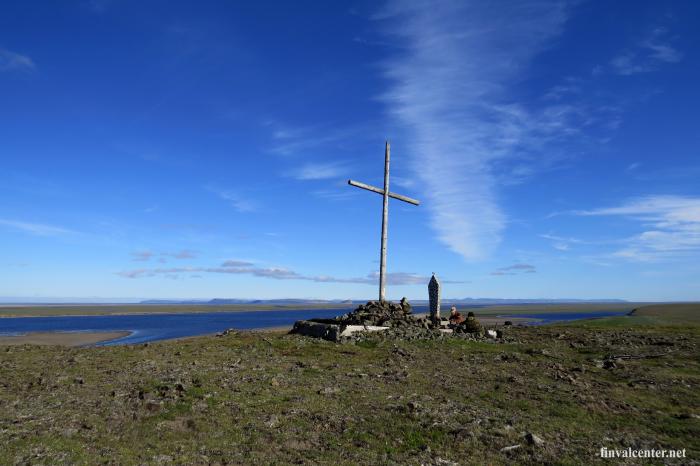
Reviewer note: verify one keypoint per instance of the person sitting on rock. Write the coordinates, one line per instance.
(471, 325)
(405, 306)
(455, 317)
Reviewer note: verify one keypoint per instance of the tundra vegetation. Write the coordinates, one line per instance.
(552, 394)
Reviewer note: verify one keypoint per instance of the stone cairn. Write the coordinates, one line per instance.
(380, 313)
(403, 325)
(384, 320)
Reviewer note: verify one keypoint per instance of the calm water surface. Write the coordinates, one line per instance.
(153, 327)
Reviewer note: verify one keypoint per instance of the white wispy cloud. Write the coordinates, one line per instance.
(182, 254)
(240, 203)
(570, 86)
(37, 229)
(290, 140)
(319, 171)
(341, 193)
(562, 243)
(239, 267)
(11, 61)
(647, 55)
(146, 255)
(515, 269)
(142, 256)
(449, 91)
(671, 227)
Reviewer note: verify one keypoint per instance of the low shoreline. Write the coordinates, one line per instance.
(61, 338)
(75, 310)
(82, 310)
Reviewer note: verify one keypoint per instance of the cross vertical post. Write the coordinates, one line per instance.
(385, 226)
(386, 194)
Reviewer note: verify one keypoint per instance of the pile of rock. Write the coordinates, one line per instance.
(384, 320)
(375, 317)
(380, 313)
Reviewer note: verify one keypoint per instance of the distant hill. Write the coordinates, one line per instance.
(174, 301)
(531, 301)
(296, 301)
(221, 301)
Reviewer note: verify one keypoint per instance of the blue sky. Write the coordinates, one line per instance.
(168, 149)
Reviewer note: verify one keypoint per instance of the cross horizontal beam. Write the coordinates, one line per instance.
(381, 191)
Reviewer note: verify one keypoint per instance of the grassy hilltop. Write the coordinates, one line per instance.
(271, 398)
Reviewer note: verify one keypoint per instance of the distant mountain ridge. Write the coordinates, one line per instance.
(291, 301)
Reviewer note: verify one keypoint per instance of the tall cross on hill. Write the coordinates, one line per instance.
(386, 194)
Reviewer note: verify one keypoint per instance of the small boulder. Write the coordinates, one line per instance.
(533, 439)
(609, 364)
(152, 406)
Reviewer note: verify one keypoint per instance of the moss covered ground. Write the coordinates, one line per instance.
(271, 398)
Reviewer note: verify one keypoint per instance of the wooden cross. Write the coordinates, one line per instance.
(385, 216)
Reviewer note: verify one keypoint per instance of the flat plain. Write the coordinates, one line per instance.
(43, 310)
(549, 394)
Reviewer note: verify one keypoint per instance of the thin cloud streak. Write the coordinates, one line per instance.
(11, 61)
(36, 229)
(146, 255)
(672, 227)
(142, 256)
(237, 267)
(319, 171)
(302, 140)
(184, 254)
(647, 56)
(237, 201)
(515, 269)
(447, 91)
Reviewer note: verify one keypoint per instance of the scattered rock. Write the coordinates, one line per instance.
(69, 432)
(328, 391)
(688, 416)
(162, 459)
(414, 406)
(400, 352)
(510, 448)
(533, 439)
(445, 462)
(152, 406)
(609, 364)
